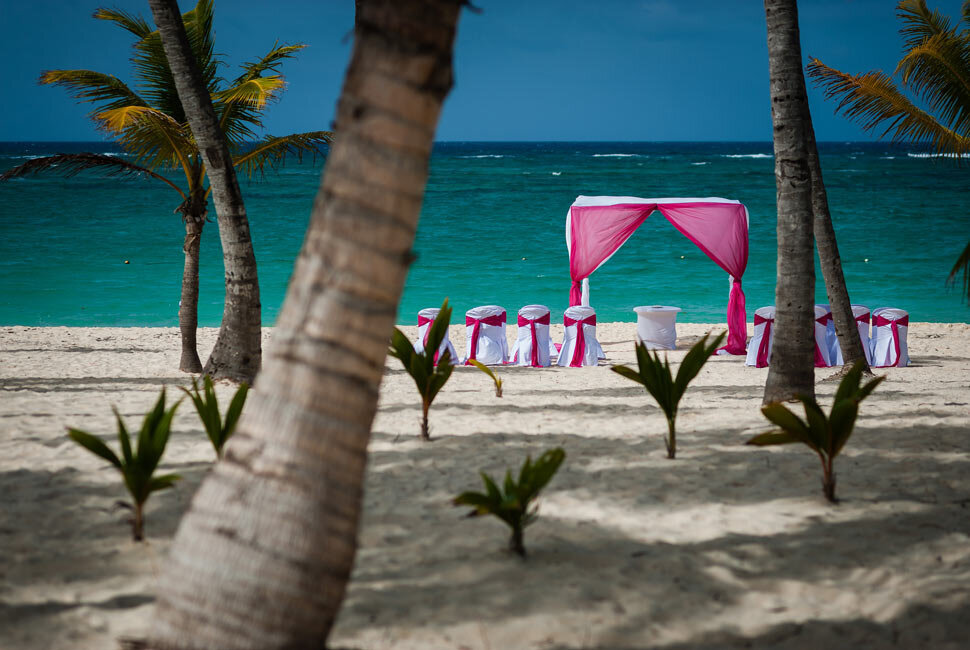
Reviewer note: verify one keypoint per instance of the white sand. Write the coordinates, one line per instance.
(727, 546)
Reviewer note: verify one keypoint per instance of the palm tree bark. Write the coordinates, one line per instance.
(193, 215)
(792, 369)
(237, 352)
(830, 261)
(262, 557)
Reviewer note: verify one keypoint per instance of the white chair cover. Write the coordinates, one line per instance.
(861, 315)
(657, 326)
(831, 338)
(889, 330)
(425, 318)
(533, 324)
(823, 317)
(759, 347)
(485, 335)
(579, 346)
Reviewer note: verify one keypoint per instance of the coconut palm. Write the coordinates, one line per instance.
(262, 557)
(149, 123)
(935, 70)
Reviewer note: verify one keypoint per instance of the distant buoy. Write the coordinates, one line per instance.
(523, 259)
(866, 260)
(126, 261)
(682, 257)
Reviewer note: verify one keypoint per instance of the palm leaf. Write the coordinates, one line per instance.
(773, 438)
(789, 422)
(91, 86)
(270, 61)
(235, 410)
(919, 23)
(938, 71)
(962, 265)
(629, 373)
(134, 24)
(162, 482)
(873, 100)
(253, 92)
(273, 151)
(71, 164)
(95, 445)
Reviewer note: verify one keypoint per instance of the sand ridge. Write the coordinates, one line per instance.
(727, 546)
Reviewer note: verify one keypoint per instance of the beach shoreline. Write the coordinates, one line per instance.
(727, 546)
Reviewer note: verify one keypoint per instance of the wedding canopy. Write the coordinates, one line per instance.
(596, 227)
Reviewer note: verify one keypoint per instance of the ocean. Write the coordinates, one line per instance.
(491, 232)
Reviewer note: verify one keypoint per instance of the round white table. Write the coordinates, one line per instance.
(657, 326)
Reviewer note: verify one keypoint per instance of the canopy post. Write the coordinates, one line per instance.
(585, 299)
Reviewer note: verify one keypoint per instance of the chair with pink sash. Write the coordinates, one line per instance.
(759, 348)
(889, 329)
(823, 354)
(579, 346)
(861, 315)
(425, 319)
(532, 346)
(485, 335)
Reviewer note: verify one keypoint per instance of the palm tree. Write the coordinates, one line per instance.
(792, 363)
(149, 123)
(238, 350)
(262, 557)
(935, 69)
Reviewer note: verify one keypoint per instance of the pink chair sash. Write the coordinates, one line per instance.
(580, 350)
(531, 324)
(880, 321)
(765, 346)
(863, 318)
(428, 321)
(476, 324)
(819, 359)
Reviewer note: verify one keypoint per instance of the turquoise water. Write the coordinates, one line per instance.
(492, 231)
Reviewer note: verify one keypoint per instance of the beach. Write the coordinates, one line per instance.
(727, 546)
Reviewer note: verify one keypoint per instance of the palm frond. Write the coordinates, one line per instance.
(966, 11)
(72, 164)
(134, 24)
(91, 86)
(254, 92)
(962, 264)
(149, 135)
(273, 151)
(919, 23)
(873, 100)
(270, 61)
(938, 71)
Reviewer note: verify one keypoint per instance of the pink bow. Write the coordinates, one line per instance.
(476, 324)
(764, 348)
(880, 321)
(580, 350)
(531, 323)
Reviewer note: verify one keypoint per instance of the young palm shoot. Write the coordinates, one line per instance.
(429, 376)
(654, 375)
(488, 371)
(207, 406)
(138, 467)
(513, 503)
(824, 435)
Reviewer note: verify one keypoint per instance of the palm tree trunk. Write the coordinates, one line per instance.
(829, 259)
(792, 369)
(189, 305)
(238, 349)
(262, 557)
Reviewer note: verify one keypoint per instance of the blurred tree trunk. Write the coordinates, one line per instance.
(792, 369)
(238, 349)
(261, 559)
(193, 211)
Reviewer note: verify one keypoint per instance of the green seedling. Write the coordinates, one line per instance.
(428, 376)
(488, 371)
(207, 406)
(513, 504)
(826, 436)
(654, 375)
(138, 468)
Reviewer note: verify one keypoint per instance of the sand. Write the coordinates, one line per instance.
(726, 546)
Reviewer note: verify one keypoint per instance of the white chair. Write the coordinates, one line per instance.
(889, 330)
(831, 338)
(759, 347)
(425, 319)
(485, 335)
(861, 315)
(579, 346)
(823, 317)
(532, 346)
(657, 326)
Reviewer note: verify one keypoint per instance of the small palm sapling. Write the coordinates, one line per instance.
(137, 467)
(207, 406)
(429, 375)
(488, 371)
(655, 376)
(513, 504)
(826, 436)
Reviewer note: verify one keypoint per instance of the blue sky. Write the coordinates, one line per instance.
(625, 70)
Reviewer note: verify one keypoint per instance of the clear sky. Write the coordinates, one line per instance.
(627, 70)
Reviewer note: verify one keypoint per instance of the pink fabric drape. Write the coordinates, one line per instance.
(762, 360)
(719, 229)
